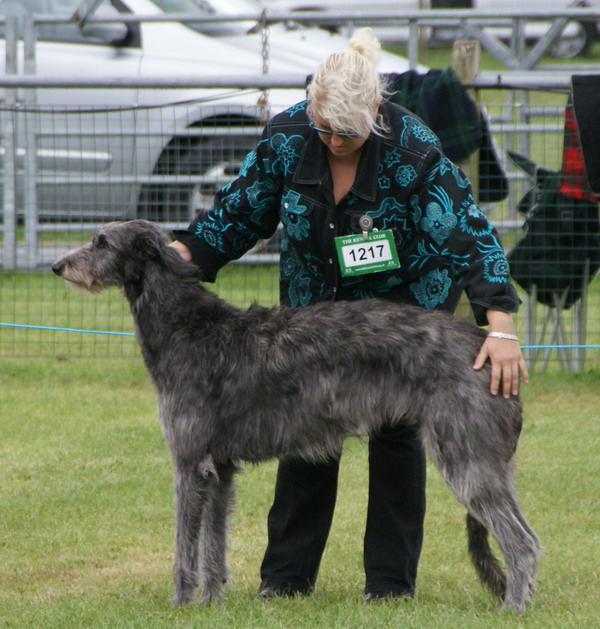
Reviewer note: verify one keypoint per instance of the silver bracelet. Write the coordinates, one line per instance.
(502, 335)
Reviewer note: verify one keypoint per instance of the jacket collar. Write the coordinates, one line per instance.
(312, 168)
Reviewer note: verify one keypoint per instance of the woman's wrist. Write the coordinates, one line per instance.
(503, 335)
(500, 323)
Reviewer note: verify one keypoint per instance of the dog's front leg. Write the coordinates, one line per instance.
(219, 500)
(190, 499)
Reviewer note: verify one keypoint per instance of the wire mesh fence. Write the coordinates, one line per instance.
(94, 164)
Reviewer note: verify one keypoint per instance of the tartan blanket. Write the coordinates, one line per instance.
(442, 102)
(585, 90)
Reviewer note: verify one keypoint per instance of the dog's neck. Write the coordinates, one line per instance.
(155, 280)
(163, 300)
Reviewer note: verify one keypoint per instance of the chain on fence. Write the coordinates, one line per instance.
(95, 164)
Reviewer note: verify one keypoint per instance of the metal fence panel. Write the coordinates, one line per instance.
(96, 164)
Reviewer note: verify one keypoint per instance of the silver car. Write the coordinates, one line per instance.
(156, 153)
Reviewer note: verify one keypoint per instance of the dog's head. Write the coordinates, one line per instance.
(117, 255)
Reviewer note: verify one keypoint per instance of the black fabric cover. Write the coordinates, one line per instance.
(561, 234)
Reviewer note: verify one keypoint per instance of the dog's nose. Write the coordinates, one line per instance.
(58, 267)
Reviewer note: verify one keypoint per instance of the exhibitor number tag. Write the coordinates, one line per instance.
(370, 253)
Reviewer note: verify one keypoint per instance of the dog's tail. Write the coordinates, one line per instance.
(487, 566)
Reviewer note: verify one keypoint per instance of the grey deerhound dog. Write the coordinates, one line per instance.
(250, 385)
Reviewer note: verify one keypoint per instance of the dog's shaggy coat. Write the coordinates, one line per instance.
(249, 385)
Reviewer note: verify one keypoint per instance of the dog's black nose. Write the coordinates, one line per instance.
(58, 267)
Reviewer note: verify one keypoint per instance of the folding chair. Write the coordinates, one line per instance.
(554, 261)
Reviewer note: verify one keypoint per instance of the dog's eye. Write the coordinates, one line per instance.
(99, 241)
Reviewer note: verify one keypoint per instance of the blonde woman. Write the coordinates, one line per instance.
(347, 163)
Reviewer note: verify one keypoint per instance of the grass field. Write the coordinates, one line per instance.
(86, 516)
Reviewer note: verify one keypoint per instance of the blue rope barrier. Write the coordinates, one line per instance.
(45, 327)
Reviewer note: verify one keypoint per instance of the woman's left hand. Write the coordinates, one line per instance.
(508, 364)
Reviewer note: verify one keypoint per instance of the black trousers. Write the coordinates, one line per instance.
(302, 511)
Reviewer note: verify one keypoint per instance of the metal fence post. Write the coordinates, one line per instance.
(413, 44)
(9, 222)
(31, 121)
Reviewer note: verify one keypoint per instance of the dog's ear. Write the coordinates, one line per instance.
(149, 245)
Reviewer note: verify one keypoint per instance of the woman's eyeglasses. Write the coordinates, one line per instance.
(341, 134)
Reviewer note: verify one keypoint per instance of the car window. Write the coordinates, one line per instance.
(186, 6)
(70, 33)
(206, 8)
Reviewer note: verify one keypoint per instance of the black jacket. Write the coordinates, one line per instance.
(404, 183)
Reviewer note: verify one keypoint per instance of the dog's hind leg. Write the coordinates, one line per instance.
(190, 498)
(219, 501)
(483, 485)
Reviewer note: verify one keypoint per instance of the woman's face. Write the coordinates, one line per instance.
(338, 145)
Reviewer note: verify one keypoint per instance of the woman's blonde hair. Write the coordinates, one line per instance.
(347, 85)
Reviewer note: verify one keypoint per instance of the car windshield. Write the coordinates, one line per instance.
(214, 7)
(185, 6)
(210, 7)
(230, 7)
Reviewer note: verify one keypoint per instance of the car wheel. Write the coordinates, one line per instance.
(569, 47)
(203, 165)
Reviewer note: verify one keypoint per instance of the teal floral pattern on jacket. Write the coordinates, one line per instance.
(404, 183)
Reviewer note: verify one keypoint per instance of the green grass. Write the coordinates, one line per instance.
(86, 518)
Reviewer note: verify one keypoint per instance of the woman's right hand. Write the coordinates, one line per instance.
(184, 251)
